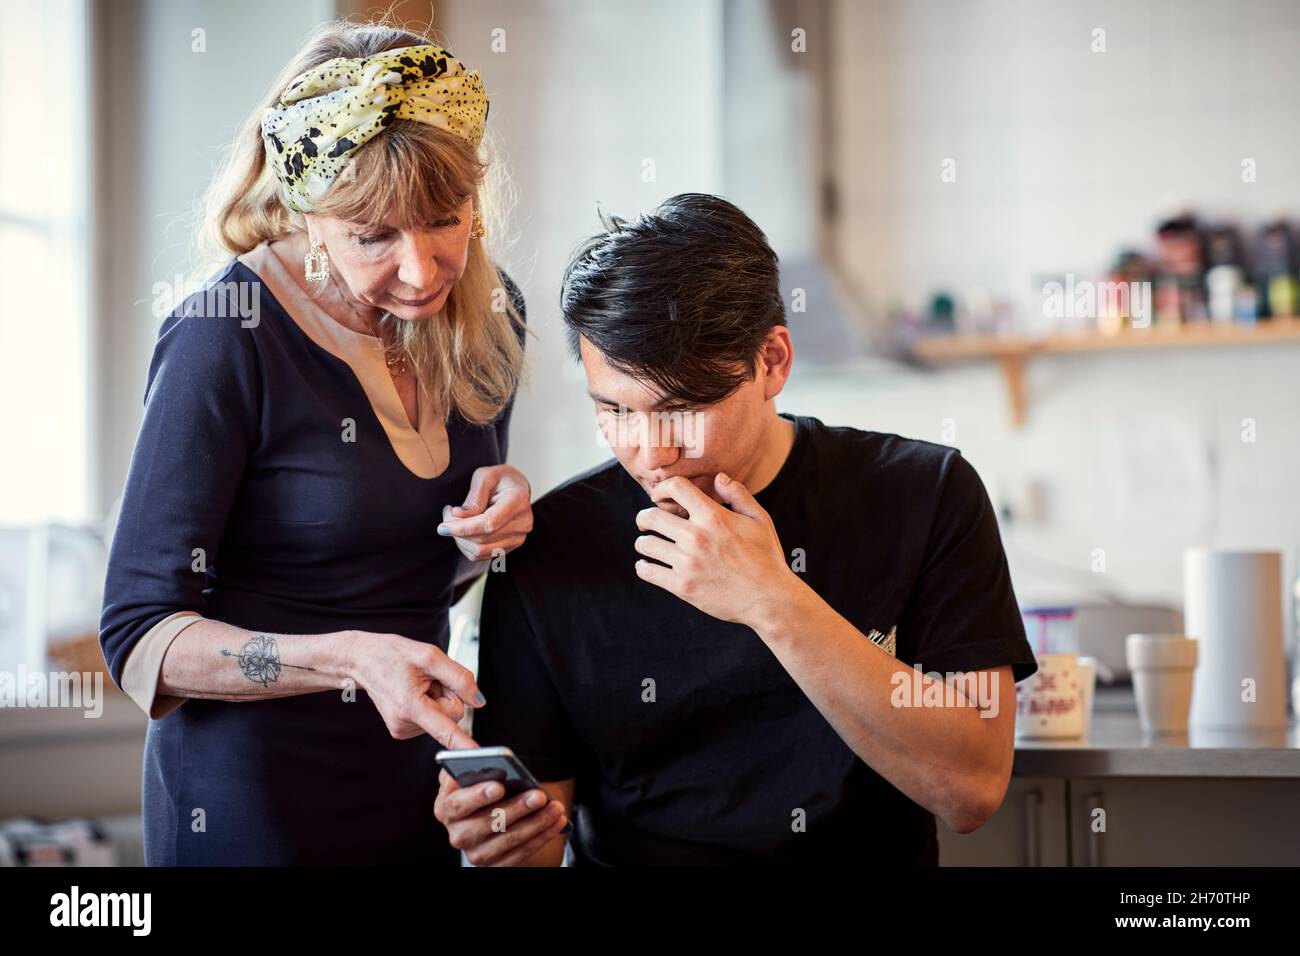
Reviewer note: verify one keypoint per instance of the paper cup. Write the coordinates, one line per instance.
(1162, 666)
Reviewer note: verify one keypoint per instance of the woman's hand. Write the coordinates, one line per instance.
(497, 513)
(415, 686)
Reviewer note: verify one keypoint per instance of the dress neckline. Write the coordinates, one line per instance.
(425, 448)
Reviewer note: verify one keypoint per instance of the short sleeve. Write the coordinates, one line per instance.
(962, 613)
(524, 709)
(201, 421)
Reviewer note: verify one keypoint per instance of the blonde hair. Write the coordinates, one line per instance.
(469, 359)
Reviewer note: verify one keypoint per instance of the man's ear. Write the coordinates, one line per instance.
(776, 356)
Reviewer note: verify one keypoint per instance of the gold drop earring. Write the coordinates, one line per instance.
(316, 263)
(477, 230)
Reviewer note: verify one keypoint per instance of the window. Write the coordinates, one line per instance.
(45, 383)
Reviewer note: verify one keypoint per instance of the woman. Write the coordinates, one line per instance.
(314, 475)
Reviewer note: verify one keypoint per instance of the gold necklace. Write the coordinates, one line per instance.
(396, 364)
(395, 360)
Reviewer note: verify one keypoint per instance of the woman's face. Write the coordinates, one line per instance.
(407, 273)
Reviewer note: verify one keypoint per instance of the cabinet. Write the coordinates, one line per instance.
(1185, 822)
(1147, 822)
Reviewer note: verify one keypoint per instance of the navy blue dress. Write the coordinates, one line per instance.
(240, 454)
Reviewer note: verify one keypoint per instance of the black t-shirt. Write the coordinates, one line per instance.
(690, 743)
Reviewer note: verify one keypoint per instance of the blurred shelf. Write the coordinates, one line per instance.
(953, 347)
(1013, 351)
(119, 718)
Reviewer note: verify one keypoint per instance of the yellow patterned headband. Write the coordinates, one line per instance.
(325, 114)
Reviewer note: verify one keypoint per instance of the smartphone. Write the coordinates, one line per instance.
(479, 765)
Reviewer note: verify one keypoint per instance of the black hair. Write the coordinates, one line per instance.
(681, 297)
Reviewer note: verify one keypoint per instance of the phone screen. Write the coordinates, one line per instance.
(470, 767)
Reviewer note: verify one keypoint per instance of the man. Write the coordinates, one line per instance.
(714, 644)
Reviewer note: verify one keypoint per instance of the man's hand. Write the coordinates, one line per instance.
(727, 563)
(492, 833)
(496, 513)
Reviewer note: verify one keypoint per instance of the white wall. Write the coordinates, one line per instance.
(1063, 157)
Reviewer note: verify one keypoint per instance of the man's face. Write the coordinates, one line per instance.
(656, 437)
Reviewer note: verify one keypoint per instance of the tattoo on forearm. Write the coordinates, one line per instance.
(259, 659)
